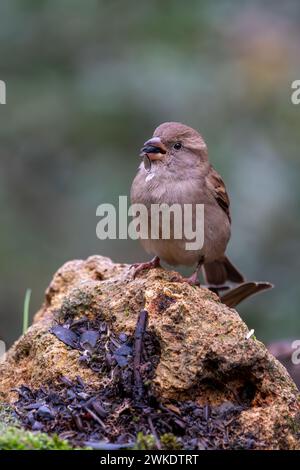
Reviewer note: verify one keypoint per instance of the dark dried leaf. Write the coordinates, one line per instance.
(65, 335)
(124, 350)
(88, 340)
(123, 337)
(44, 413)
(66, 381)
(99, 410)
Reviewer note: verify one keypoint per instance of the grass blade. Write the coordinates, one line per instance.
(26, 310)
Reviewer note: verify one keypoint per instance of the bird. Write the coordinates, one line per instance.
(176, 169)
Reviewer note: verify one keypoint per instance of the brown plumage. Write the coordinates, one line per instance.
(177, 170)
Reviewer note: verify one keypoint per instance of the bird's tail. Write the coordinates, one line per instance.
(220, 271)
(234, 296)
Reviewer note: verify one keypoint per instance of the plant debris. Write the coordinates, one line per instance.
(126, 405)
(66, 336)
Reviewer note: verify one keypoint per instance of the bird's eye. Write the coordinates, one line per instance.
(177, 146)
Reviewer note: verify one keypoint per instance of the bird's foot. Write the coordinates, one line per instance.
(138, 267)
(193, 280)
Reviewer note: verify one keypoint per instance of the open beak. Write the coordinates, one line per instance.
(154, 149)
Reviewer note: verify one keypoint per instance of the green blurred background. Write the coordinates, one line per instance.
(87, 82)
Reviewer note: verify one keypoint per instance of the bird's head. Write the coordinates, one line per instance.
(174, 143)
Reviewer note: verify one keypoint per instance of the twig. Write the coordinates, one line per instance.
(103, 445)
(207, 413)
(96, 418)
(137, 357)
(154, 433)
(176, 418)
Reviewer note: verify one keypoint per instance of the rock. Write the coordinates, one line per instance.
(205, 355)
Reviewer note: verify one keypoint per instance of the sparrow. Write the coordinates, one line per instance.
(176, 169)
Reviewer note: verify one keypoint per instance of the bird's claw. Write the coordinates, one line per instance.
(192, 280)
(138, 267)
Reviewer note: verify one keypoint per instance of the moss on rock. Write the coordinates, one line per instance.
(15, 438)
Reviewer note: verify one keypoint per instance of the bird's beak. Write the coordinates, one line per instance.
(154, 149)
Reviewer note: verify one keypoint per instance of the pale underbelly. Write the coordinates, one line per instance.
(173, 252)
(176, 252)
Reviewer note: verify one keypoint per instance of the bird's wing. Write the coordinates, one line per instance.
(217, 186)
